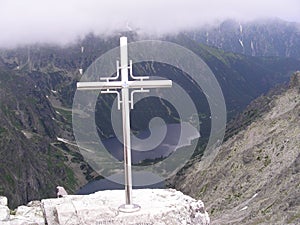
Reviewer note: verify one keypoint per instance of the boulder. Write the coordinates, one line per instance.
(4, 213)
(32, 214)
(3, 201)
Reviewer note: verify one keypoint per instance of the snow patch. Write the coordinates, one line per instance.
(27, 134)
(244, 208)
(254, 195)
(252, 46)
(206, 37)
(241, 43)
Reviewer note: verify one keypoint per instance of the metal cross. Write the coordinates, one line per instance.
(111, 85)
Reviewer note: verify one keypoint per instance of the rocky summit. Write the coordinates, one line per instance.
(158, 206)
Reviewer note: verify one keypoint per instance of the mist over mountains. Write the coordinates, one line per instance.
(62, 23)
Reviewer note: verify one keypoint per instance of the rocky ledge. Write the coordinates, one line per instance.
(158, 207)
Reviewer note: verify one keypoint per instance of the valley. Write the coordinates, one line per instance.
(37, 86)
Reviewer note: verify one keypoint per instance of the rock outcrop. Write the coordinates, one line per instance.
(4, 210)
(158, 207)
(32, 214)
(295, 81)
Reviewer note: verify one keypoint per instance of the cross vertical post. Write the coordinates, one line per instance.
(126, 120)
(138, 85)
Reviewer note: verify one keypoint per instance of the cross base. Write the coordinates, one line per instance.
(129, 208)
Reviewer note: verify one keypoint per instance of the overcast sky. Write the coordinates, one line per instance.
(61, 21)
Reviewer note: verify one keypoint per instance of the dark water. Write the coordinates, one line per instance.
(170, 142)
(105, 184)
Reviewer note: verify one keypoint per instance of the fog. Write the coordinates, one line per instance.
(54, 21)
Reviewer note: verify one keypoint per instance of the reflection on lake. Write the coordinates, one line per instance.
(170, 142)
(163, 149)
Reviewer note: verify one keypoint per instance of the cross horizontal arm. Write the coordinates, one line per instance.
(127, 84)
(99, 85)
(150, 84)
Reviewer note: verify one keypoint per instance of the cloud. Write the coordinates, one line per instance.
(30, 21)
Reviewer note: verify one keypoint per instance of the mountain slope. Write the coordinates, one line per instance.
(32, 163)
(37, 89)
(255, 178)
(241, 77)
(26, 130)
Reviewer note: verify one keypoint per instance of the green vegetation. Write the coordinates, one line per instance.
(267, 209)
(13, 212)
(56, 164)
(9, 179)
(267, 160)
(225, 57)
(1, 189)
(71, 181)
(5, 109)
(212, 211)
(2, 130)
(67, 114)
(77, 157)
(295, 217)
(202, 191)
(32, 100)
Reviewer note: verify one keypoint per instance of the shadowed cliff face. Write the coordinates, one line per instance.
(30, 166)
(32, 162)
(255, 177)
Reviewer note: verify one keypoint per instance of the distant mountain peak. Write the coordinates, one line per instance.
(270, 37)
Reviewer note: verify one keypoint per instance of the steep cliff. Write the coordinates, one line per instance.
(255, 178)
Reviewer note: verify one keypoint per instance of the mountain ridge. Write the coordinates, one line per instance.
(269, 37)
(254, 179)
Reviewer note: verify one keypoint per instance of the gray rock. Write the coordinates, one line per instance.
(4, 213)
(20, 221)
(3, 200)
(33, 214)
(158, 206)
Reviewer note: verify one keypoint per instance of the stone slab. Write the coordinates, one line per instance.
(158, 206)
